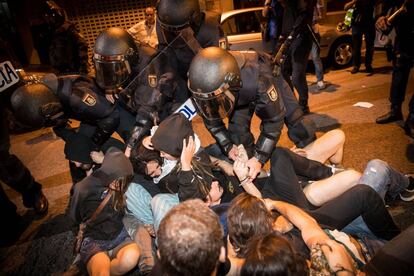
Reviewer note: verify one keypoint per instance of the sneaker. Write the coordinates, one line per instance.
(321, 85)
(407, 195)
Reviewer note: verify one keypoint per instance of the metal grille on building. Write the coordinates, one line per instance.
(92, 17)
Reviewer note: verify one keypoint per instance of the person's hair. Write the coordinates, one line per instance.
(190, 239)
(272, 255)
(141, 156)
(247, 217)
(203, 176)
(121, 185)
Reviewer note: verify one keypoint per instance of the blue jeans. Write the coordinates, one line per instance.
(315, 54)
(138, 203)
(385, 181)
(161, 204)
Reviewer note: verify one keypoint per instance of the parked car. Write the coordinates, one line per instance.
(244, 31)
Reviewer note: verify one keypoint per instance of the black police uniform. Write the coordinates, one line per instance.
(403, 61)
(84, 101)
(298, 14)
(258, 95)
(207, 33)
(154, 93)
(12, 171)
(15, 174)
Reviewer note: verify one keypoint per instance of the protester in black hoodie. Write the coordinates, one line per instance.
(106, 247)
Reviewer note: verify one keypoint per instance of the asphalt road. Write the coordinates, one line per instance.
(332, 107)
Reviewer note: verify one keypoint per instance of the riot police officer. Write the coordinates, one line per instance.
(140, 78)
(183, 30)
(59, 43)
(58, 99)
(236, 85)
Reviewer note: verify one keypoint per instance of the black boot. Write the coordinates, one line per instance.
(409, 125)
(304, 106)
(395, 114)
(35, 199)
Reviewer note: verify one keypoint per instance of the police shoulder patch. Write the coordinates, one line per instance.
(88, 99)
(152, 80)
(271, 92)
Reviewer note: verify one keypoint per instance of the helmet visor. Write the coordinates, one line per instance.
(111, 74)
(215, 107)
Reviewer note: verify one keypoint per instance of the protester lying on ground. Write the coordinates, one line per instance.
(227, 187)
(250, 217)
(331, 252)
(98, 206)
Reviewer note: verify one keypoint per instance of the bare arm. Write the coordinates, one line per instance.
(250, 188)
(312, 234)
(223, 165)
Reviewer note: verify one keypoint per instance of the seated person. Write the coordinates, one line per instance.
(159, 171)
(138, 218)
(189, 241)
(106, 247)
(272, 254)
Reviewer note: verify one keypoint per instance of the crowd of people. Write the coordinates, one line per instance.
(159, 202)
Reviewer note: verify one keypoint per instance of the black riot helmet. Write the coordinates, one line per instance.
(212, 78)
(115, 57)
(54, 15)
(36, 105)
(175, 15)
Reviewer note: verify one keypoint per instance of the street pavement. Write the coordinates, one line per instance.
(46, 245)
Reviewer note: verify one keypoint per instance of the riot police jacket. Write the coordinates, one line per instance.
(82, 99)
(155, 92)
(208, 33)
(258, 95)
